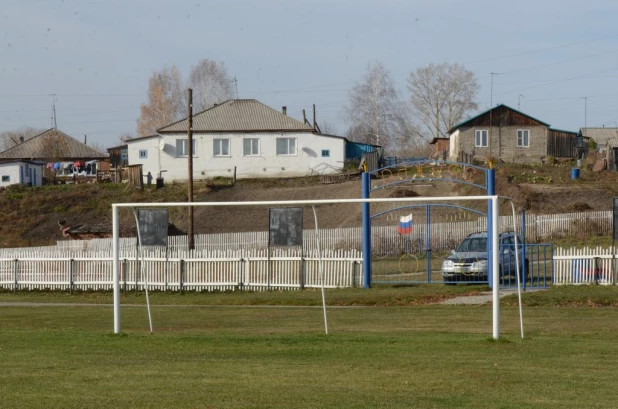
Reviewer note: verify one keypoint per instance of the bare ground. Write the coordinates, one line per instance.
(30, 216)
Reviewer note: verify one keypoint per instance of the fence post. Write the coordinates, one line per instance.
(124, 274)
(71, 275)
(16, 272)
(301, 277)
(137, 271)
(181, 273)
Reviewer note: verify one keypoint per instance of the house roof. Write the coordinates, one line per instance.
(29, 162)
(435, 140)
(63, 146)
(239, 115)
(493, 109)
(564, 131)
(600, 135)
(125, 146)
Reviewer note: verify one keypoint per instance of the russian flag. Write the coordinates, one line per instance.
(405, 224)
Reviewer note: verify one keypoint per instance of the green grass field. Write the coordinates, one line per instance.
(388, 347)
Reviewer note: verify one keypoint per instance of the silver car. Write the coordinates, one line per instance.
(469, 261)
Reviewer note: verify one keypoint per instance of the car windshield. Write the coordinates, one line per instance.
(476, 244)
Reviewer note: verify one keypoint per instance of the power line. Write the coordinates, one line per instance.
(557, 82)
(560, 62)
(541, 49)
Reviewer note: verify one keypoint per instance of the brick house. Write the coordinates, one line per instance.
(510, 135)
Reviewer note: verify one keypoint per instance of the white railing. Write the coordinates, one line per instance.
(234, 269)
(584, 266)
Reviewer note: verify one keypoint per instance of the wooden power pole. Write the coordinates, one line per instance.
(190, 178)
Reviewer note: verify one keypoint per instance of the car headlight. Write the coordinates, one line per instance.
(480, 264)
(448, 264)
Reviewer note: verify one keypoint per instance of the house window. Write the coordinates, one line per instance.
(143, 153)
(6, 178)
(124, 155)
(250, 147)
(286, 146)
(480, 138)
(326, 153)
(523, 138)
(221, 147)
(182, 147)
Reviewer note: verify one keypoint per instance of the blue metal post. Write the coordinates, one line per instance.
(491, 190)
(366, 187)
(428, 242)
(523, 247)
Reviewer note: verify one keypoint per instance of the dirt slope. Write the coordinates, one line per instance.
(30, 216)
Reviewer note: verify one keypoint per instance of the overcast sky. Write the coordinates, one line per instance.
(97, 55)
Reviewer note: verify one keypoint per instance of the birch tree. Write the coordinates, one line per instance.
(441, 96)
(211, 84)
(165, 104)
(373, 107)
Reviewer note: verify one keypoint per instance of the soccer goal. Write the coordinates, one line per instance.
(284, 230)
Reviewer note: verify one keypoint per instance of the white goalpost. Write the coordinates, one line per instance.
(312, 203)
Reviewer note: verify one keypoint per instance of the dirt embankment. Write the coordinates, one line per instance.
(30, 216)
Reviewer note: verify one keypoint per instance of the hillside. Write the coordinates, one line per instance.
(30, 216)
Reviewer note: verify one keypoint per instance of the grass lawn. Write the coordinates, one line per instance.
(388, 347)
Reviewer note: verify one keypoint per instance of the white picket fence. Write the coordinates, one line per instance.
(584, 266)
(230, 270)
(241, 260)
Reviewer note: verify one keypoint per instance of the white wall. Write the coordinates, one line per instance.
(12, 170)
(454, 146)
(266, 164)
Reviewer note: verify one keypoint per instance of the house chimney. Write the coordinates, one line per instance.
(21, 139)
(284, 110)
(85, 139)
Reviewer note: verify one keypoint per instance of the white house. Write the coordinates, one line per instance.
(23, 172)
(240, 135)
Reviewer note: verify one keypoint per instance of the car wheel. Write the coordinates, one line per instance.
(449, 281)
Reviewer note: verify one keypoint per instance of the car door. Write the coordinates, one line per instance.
(507, 255)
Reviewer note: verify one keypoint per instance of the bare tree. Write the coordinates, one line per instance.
(53, 147)
(9, 139)
(125, 136)
(441, 96)
(211, 84)
(329, 128)
(165, 101)
(373, 107)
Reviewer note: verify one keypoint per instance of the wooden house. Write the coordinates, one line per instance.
(506, 134)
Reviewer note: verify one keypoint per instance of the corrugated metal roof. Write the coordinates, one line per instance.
(237, 115)
(51, 145)
(600, 135)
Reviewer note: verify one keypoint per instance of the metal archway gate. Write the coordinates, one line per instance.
(416, 256)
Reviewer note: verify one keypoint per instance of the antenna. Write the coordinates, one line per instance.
(53, 118)
(235, 81)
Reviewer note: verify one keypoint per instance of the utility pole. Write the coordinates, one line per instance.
(190, 178)
(520, 96)
(585, 112)
(53, 118)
